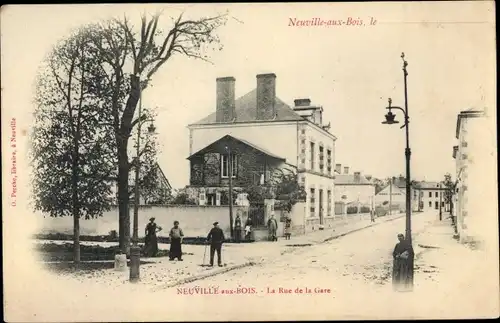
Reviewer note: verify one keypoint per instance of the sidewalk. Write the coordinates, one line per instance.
(455, 275)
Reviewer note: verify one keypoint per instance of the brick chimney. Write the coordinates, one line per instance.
(266, 96)
(338, 168)
(225, 106)
(302, 102)
(346, 170)
(357, 176)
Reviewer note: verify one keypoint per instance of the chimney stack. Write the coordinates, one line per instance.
(302, 102)
(357, 176)
(225, 106)
(346, 170)
(338, 168)
(266, 96)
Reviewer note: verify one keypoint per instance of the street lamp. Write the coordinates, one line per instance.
(390, 119)
(440, 202)
(230, 174)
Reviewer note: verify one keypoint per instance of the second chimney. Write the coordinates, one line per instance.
(357, 176)
(225, 108)
(266, 96)
(346, 170)
(338, 168)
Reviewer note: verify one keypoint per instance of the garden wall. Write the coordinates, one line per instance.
(195, 220)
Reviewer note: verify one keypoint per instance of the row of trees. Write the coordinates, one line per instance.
(87, 94)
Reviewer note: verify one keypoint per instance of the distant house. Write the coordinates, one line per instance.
(392, 195)
(430, 195)
(352, 190)
(256, 134)
(156, 194)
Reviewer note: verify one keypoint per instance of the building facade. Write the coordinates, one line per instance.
(431, 196)
(471, 157)
(265, 135)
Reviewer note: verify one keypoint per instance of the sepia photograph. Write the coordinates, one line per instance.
(249, 162)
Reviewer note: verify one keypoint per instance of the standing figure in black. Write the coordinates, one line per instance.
(403, 261)
(216, 238)
(237, 228)
(151, 241)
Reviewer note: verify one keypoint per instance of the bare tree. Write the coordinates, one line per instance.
(131, 59)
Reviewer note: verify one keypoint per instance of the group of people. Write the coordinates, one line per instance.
(238, 228)
(215, 238)
(151, 241)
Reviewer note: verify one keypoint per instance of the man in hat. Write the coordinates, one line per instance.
(216, 238)
(176, 236)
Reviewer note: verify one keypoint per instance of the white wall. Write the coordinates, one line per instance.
(194, 220)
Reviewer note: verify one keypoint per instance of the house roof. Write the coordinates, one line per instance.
(246, 111)
(216, 146)
(350, 179)
(429, 185)
(163, 176)
(395, 188)
(469, 113)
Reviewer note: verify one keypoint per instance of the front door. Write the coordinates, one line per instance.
(320, 206)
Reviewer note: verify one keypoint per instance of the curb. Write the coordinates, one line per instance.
(203, 276)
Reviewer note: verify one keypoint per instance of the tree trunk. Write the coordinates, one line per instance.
(76, 207)
(123, 200)
(76, 237)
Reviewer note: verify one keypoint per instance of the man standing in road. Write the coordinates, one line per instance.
(216, 238)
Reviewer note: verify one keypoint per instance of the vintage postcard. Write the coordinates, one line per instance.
(249, 162)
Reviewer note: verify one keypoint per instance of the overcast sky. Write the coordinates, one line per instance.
(349, 70)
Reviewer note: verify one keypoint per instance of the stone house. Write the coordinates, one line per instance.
(258, 134)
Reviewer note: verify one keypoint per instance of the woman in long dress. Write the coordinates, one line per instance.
(151, 241)
(403, 262)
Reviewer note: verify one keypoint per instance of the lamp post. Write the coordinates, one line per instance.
(230, 174)
(135, 250)
(389, 119)
(390, 195)
(440, 199)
